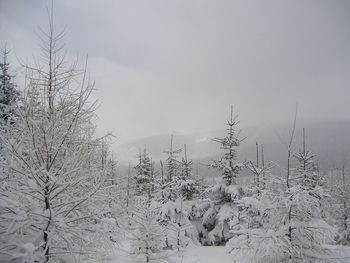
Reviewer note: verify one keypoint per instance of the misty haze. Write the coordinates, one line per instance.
(174, 131)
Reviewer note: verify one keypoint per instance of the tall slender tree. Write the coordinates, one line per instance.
(224, 213)
(8, 91)
(227, 164)
(172, 163)
(54, 199)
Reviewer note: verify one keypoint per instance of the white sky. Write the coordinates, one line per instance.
(164, 66)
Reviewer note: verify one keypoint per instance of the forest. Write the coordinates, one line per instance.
(62, 198)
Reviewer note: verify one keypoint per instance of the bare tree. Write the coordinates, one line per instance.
(54, 198)
(259, 172)
(289, 147)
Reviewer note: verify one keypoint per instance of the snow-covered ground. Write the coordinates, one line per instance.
(200, 254)
(192, 254)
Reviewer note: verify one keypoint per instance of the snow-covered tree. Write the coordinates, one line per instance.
(166, 185)
(186, 184)
(8, 91)
(308, 231)
(294, 226)
(253, 203)
(8, 102)
(172, 164)
(146, 234)
(341, 197)
(227, 164)
(52, 206)
(112, 173)
(144, 174)
(186, 165)
(224, 212)
(257, 170)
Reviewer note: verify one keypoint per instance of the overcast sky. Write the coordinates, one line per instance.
(175, 66)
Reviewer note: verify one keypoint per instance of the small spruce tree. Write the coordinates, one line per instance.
(8, 91)
(144, 174)
(227, 164)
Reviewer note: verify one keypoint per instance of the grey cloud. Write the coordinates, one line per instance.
(165, 66)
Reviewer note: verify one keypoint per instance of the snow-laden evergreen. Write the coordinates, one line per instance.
(341, 196)
(8, 92)
(8, 103)
(293, 224)
(227, 164)
(223, 212)
(144, 180)
(146, 233)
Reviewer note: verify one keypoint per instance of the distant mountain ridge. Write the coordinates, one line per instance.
(329, 140)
